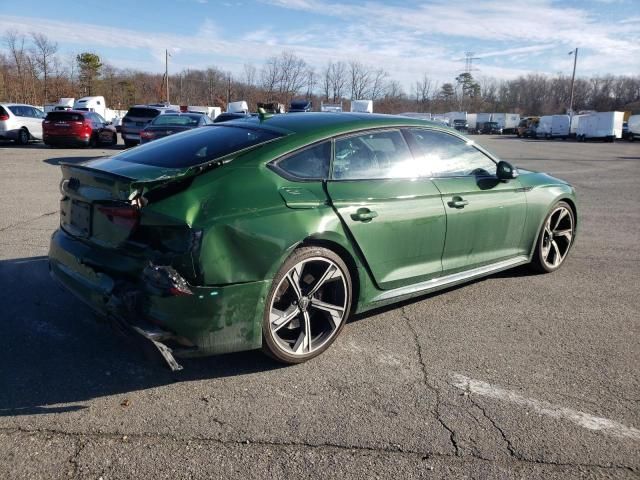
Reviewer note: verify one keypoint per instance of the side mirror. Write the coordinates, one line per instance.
(505, 171)
(108, 123)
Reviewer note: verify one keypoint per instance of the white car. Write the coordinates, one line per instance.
(20, 122)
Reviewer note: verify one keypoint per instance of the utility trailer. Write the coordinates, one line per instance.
(600, 125)
(362, 106)
(508, 122)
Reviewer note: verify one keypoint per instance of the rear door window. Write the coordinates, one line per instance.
(312, 163)
(197, 146)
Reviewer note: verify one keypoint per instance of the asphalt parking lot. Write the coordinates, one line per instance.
(514, 376)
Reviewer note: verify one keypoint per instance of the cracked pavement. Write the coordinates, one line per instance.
(79, 401)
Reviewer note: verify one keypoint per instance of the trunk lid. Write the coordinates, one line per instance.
(101, 200)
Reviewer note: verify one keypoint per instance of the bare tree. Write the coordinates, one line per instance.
(16, 44)
(250, 74)
(378, 84)
(338, 80)
(360, 80)
(44, 51)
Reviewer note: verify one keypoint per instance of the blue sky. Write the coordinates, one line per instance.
(407, 38)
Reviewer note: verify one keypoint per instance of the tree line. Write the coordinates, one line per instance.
(32, 70)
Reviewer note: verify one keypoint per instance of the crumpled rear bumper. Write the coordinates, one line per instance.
(211, 320)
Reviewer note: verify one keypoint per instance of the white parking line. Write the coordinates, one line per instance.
(545, 408)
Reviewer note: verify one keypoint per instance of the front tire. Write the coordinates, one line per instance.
(555, 239)
(307, 306)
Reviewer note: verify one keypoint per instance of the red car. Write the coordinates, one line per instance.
(77, 127)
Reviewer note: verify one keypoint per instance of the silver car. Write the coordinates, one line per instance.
(20, 122)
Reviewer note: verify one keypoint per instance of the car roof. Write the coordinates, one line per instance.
(328, 123)
(81, 112)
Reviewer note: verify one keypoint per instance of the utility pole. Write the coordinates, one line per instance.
(573, 78)
(166, 72)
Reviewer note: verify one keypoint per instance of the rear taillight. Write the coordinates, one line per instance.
(127, 217)
(4, 117)
(147, 135)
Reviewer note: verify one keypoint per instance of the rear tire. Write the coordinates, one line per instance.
(129, 144)
(114, 140)
(307, 306)
(23, 136)
(555, 239)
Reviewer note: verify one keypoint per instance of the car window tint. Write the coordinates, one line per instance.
(61, 116)
(143, 112)
(197, 146)
(446, 155)
(99, 118)
(17, 110)
(310, 163)
(372, 155)
(177, 120)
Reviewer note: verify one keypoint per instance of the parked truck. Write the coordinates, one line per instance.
(634, 128)
(472, 120)
(481, 119)
(508, 122)
(600, 125)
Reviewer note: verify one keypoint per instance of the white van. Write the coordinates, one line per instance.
(560, 126)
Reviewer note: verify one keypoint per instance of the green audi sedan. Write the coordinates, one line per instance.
(270, 231)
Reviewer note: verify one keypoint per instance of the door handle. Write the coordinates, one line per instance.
(458, 202)
(364, 215)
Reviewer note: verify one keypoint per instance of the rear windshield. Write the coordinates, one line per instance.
(197, 146)
(64, 117)
(3, 111)
(180, 120)
(143, 112)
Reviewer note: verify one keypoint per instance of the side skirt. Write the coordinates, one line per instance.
(448, 280)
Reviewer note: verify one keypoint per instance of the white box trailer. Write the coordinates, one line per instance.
(362, 106)
(472, 121)
(211, 112)
(573, 127)
(456, 116)
(603, 125)
(482, 118)
(331, 107)
(440, 117)
(238, 107)
(508, 122)
(634, 127)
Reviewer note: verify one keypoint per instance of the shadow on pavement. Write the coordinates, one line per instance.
(55, 352)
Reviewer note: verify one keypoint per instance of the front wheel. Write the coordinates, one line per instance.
(555, 239)
(307, 306)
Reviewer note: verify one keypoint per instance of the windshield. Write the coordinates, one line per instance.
(59, 116)
(178, 120)
(197, 146)
(143, 112)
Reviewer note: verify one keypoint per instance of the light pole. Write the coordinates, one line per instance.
(166, 72)
(573, 78)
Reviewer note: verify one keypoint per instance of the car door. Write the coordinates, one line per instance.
(36, 116)
(485, 216)
(395, 216)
